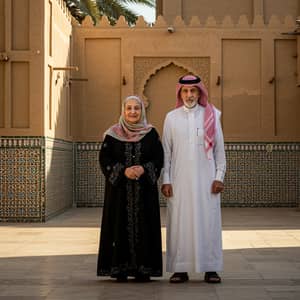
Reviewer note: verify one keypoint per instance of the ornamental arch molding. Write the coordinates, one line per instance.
(155, 80)
(145, 68)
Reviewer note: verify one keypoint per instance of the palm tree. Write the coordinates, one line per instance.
(113, 9)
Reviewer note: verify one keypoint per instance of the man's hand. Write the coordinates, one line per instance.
(167, 190)
(217, 187)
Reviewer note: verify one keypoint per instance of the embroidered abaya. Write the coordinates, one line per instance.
(130, 242)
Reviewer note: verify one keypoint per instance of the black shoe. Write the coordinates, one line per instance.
(179, 277)
(212, 277)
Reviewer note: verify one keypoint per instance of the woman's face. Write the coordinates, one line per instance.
(132, 111)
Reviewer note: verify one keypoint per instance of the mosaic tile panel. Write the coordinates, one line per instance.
(59, 176)
(36, 178)
(21, 179)
(39, 176)
(258, 175)
(89, 180)
(262, 175)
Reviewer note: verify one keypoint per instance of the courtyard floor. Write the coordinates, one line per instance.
(57, 260)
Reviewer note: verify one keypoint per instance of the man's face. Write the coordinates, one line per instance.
(189, 96)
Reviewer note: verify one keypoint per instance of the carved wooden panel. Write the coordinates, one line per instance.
(2, 106)
(96, 106)
(20, 24)
(242, 93)
(20, 95)
(287, 97)
(2, 26)
(49, 28)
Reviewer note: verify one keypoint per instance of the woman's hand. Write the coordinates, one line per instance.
(139, 171)
(134, 172)
(130, 173)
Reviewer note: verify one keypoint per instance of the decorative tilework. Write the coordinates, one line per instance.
(268, 147)
(59, 176)
(38, 176)
(258, 175)
(21, 142)
(262, 175)
(21, 179)
(89, 180)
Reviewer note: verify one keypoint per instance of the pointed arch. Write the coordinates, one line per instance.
(185, 63)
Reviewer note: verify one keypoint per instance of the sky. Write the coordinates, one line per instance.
(146, 12)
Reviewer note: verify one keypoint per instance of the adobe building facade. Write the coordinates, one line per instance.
(61, 86)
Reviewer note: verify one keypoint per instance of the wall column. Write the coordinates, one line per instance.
(258, 8)
(171, 9)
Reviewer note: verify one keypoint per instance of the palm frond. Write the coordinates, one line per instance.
(113, 9)
(92, 9)
(150, 3)
(81, 8)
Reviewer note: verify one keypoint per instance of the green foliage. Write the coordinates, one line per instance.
(113, 9)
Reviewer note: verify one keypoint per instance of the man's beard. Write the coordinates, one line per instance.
(190, 103)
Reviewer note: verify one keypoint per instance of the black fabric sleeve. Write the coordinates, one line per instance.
(111, 168)
(154, 165)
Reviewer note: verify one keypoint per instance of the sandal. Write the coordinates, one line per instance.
(179, 277)
(212, 277)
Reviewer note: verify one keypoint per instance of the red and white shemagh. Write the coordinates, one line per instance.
(209, 114)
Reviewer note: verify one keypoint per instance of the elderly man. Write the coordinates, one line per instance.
(193, 176)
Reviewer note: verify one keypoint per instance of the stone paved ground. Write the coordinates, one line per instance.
(57, 260)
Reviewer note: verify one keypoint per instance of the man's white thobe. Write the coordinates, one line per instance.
(194, 233)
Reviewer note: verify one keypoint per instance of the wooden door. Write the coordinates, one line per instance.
(21, 80)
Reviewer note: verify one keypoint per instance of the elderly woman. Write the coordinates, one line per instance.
(131, 159)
